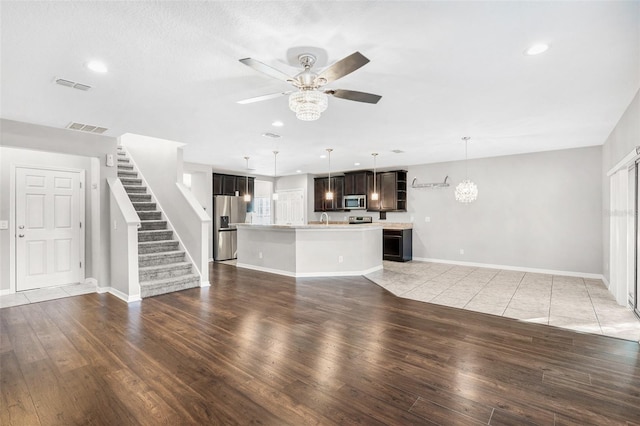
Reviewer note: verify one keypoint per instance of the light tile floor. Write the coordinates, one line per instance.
(42, 294)
(575, 303)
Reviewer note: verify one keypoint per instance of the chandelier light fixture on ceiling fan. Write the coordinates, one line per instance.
(310, 99)
(466, 191)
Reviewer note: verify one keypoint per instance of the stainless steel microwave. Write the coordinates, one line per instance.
(355, 202)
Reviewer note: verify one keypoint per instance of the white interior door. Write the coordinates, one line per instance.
(48, 232)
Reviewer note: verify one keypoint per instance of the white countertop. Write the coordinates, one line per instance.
(314, 226)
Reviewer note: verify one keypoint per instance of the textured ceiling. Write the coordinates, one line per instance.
(445, 70)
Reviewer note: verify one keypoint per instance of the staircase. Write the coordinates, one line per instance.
(162, 267)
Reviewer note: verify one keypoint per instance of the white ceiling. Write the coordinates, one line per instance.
(444, 70)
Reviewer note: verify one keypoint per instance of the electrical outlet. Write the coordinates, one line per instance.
(461, 251)
(115, 224)
(340, 259)
(260, 255)
(4, 224)
(427, 219)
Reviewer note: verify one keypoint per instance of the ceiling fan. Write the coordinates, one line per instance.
(310, 99)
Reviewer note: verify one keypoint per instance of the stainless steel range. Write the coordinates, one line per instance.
(355, 220)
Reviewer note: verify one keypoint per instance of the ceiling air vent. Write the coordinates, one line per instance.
(397, 151)
(73, 84)
(87, 128)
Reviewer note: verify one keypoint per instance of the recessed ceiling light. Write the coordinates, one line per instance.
(277, 123)
(97, 66)
(298, 171)
(323, 156)
(356, 164)
(536, 49)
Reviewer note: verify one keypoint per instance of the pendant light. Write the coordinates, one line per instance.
(374, 194)
(466, 191)
(329, 194)
(275, 161)
(247, 196)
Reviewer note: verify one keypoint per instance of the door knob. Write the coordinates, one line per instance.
(21, 235)
(21, 227)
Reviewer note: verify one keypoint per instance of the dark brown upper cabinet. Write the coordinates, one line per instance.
(230, 184)
(355, 183)
(392, 191)
(321, 186)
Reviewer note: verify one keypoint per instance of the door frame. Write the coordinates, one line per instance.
(12, 218)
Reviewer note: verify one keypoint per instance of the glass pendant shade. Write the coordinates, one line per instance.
(374, 196)
(247, 197)
(328, 196)
(466, 191)
(308, 104)
(275, 196)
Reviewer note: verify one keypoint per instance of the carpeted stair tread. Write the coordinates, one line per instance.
(154, 235)
(160, 258)
(149, 214)
(136, 198)
(160, 246)
(158, 272)
(135, 189)
(144, 205)
(153, 225)
(169, 285)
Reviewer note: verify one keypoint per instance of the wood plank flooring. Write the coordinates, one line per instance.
(257, 348)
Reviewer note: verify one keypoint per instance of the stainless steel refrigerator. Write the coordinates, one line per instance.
(228, 211)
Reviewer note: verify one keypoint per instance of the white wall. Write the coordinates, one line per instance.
(26, 143)
(202, 188)
(624, 137)
(539, 211)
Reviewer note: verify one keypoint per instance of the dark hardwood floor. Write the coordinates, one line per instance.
(264, 349)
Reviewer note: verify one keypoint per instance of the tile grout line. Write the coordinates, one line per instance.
(593, 306)
(514, 293)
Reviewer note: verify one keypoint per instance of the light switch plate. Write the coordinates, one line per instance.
(110, 162)
(4, 224)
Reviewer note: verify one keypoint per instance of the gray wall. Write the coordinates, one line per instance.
(539, 210)
(35, 144)
(624, 138)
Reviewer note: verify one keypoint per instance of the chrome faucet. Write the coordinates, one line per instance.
(324, 214)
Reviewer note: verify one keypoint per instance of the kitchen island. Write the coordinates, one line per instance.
(310, 250)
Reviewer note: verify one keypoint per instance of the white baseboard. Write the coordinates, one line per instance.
(309, 274)
(91, 280)
(205, 284)
(514, 268)
(120, 295)
(7, 291)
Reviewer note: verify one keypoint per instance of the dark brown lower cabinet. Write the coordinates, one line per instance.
(397, 245)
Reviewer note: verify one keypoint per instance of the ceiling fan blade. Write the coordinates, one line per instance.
(266, 69)
(264, 97)
(352, 95)
(343, 67)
